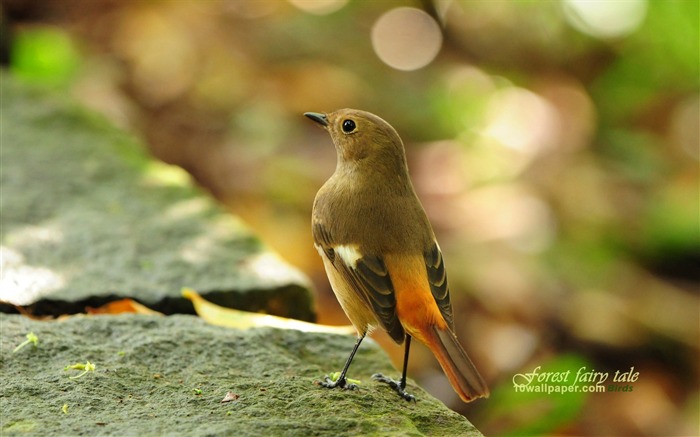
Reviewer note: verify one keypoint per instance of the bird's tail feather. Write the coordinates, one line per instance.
(463, 376)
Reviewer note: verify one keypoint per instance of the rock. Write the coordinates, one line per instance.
(87, 218)
(168, 375)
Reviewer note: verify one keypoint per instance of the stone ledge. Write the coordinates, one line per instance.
(87, 218)
(150, 371)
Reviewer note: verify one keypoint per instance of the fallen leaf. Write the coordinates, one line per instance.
(228, 317)
(122, 306)
(230, 396)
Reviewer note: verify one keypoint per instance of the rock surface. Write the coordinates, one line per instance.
(87, 218)
(168, 375)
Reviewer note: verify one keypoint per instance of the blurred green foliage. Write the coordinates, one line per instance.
(44, 55)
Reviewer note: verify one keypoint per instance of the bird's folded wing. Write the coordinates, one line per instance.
(368, 276)
(437, 277)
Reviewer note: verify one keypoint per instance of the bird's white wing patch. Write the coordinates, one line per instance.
(349, 253)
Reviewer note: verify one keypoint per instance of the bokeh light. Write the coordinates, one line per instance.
(523, 121)
(605, 19)
(319, 7)
(406, 38)
(164, 60)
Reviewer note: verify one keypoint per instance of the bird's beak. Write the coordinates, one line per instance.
(318, 118)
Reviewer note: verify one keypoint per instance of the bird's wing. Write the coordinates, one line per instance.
(368, 277)
(437, 277)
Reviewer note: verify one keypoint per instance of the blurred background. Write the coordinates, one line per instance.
(554, 144)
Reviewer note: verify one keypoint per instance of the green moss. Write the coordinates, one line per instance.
(148, 389)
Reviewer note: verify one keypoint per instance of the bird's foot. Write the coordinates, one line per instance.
(335, 380)
(397, 386)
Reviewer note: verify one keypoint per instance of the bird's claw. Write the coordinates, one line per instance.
(340, 382)
(395, 385)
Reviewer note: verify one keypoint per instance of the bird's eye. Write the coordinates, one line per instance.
(348, 126)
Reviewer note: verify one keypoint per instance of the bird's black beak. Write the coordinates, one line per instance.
(318, 118)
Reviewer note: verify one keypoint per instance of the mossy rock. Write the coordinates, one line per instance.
(168, 375)
(88, 217)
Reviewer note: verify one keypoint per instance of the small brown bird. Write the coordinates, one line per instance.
(380, 253)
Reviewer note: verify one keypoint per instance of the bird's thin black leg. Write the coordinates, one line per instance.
(405, 363)
(399, 386)
(342, 382)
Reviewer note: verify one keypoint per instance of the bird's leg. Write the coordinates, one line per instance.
(399, 386)
(342, 381)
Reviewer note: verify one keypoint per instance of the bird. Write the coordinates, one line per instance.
(380, 252)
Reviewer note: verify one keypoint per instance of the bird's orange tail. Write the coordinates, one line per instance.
(463, 376)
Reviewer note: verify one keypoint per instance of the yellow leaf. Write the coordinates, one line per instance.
(221, 316)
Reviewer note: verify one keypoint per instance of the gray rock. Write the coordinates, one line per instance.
(168, 375)
(87, 217)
